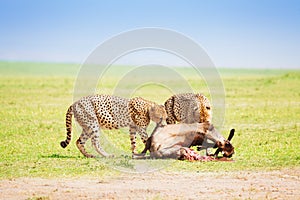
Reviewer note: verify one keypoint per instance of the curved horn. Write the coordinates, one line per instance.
(231, 134)
(217, 152)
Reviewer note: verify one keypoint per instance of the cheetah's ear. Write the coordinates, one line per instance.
(152, 109)
(162, 107)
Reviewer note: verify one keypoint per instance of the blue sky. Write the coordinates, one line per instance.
(234, 33)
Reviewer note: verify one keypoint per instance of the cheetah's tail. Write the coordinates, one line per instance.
(69, 114)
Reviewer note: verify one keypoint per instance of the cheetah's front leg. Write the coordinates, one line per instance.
(143, 133)
(132, 131)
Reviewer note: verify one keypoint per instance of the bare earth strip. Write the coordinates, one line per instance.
(283, 184)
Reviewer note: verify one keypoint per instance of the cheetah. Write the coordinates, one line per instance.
(188, 108)
(111, 112)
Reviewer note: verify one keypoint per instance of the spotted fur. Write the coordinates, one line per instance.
(188, 108)
(111, 112)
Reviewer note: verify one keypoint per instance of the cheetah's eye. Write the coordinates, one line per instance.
(207, 107)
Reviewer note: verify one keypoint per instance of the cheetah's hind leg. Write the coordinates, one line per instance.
(96, 144)
(81, 142)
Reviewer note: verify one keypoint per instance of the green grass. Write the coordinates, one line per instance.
(262, 105)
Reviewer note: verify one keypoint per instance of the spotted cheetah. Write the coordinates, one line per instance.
(111, 112)
(188, 108)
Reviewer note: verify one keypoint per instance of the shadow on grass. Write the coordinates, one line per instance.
(59, 156)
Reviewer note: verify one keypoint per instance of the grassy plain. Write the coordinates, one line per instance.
(262, 105)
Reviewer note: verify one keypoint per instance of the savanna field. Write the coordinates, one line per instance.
(262, 105)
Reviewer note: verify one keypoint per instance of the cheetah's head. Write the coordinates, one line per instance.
(205, 109)
(158, 114)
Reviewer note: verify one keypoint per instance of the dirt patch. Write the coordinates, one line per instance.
(283, 184)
